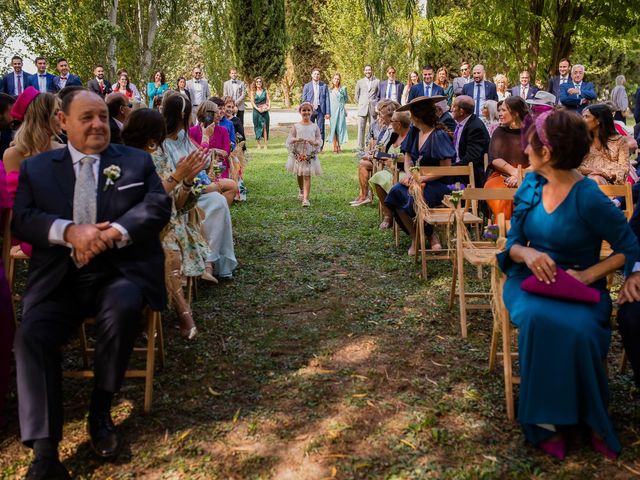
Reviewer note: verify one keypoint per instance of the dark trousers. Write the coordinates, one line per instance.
(629, 322)
(240, 115)
(317, 117)
(117, 305)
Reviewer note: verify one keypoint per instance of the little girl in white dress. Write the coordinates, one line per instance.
(304, 142)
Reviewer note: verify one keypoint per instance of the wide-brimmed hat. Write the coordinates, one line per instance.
(418, 100)
(542, 98)
(22, 102)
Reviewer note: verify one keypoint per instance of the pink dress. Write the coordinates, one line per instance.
(12, 187)
(219, 139)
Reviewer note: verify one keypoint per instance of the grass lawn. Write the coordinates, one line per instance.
(325, 357)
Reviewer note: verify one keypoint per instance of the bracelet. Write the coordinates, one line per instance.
(172, 179)
(188, 185)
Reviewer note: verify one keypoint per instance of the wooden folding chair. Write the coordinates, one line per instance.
(477, 253)
(443, 217)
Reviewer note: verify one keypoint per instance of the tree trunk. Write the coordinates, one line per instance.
(566, 19)
(152, 30)
(536, 7)
(113, 42)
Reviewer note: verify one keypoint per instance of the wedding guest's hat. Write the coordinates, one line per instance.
(22, 102)
(421, 100)
(542, 98)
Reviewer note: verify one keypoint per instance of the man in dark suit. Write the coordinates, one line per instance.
(480, 90)
(42, 80)
(64, 78)
(96, 252)
(470, 138)
(317, 94)
(560, 79)
(577, 94)
(99, 85)
(427, 88)
(391, 88)
(525, 90)
(119, 108)
(15, 82)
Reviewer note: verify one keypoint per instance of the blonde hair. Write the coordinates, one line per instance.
(39, 126)
(387, 107)
(446, 78)
(501, 76)
(404, 118)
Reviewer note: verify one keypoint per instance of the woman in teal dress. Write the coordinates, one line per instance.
(560, 219)
(261, 105)
(338, 99)
(442, 79)
(157, 87)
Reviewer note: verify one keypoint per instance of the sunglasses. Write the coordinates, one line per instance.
(130, 105)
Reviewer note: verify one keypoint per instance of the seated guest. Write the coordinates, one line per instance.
(92, 257)
(157, 87)
(444, 117)
(560, 221)
(6, 121)
(412, 79)
(230, 111)
(119, 107)
(428, 144)
(224, 121)
(607, 162)
(238, 158)
(502, 86)
(184, 248)
(136, 93)
(471, 139)
(506, 153)
(490, 116)
(392, 158)
(622, 129)
(216, 226)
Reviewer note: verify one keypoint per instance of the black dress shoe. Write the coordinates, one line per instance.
(102, 432)
(47, 469)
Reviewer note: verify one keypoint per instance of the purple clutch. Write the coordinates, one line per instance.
(564, 288)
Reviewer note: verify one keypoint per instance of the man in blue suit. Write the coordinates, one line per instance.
(96, 252)
(391, 88)
(64, 78)
(427, 88)
(577, 94)
(480, 90)
(15, 82)
(317, 94)
(42, 80)
(525, 90)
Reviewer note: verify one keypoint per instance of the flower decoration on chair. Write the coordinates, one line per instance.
(491, 233)
(198, 186)
(113, 173)
(457, 189)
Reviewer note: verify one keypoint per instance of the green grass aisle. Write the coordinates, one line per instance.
(326, 357)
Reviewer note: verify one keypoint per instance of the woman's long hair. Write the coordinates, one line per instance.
(606, 127)
(176, 110)
(252, 88)
(409, 78)
(142, 126)
(39, 125)
(426, 112)
(444, 85)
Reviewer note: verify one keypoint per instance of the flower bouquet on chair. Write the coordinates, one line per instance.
(303, 150)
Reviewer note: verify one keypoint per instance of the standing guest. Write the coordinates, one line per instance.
(428, 144)
(136, 93)
(119, 107)
(620, 99)
(412, 79)
(563, 77)
(636, 109)
(124, 87)
(470, 137)
(390, 88)
(261, 105)
(607, 162)
(64, 78)
(490, 116)
(577, 94)
(237, 158)
(236, 89)
(442, 80)
(502, 86)
(525, 90)
(15, 82)
(198, 88)
(99, 85)
(427, 88)
(480, 89)
(505, 152)
(317, 94)
(42, 80)
(157, 87)
(92, 256)
(463, 79)
(444, 117)
(366, 97)
(560, 221)
(181, 88)
(6, 121)
(338, 98)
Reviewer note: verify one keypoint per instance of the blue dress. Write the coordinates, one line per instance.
(436, 148)
(563, 344)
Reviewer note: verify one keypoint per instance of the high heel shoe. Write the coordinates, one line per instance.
(189, 332)
(208, 274)
(555, 448)
(601, 447)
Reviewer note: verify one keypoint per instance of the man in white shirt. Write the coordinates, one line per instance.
(367, 92)
(236, 89)
(42, 80)
(391, 88)
(15, 82)
(563, 77)
(198, 88)
(525, 90)
(463, 79)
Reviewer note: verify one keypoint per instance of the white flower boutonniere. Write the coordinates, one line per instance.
(112, 172)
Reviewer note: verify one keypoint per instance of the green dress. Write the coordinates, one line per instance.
(261, 119)
(338, 100)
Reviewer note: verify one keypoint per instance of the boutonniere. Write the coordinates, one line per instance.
(112, 172)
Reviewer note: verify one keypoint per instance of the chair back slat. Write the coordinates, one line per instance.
(489, 193)
(620, 191)
(454, 171)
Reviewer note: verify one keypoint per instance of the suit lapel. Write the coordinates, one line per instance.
(64, 174)
(107, 158)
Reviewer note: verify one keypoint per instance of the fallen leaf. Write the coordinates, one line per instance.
(409, 444)
(490, 457)
(214, 393)
(236, 416)
(359, 395)
(361, 377)
(183, 435)
(334, 472)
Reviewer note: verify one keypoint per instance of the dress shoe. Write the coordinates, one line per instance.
(103, 436)
(601, 447)
(555, 448)
(47, 469)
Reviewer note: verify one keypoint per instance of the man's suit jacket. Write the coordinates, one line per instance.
(573, 102)
(515, 91)
(323, 96)
(490, 91)
(554, 86)
(459, 83)
(418, 91)
(72, 80)
(137, 201)
(206, 93)
(366, 98)
(94, 86)
(474, 143)
(238, 96)
(116, 136)
(51, 82)
(8, 82)
(447, 120)
(384, 86)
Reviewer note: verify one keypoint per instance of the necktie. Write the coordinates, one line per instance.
(456, 138)
(101, 83)
(84, 194)
(427, 90)
(63, 78)
(389, 85)
(477, 112)
(563, 80)
(234, 81)
(19, 84)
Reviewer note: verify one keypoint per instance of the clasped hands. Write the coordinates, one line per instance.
(544, 267)
(90, 240)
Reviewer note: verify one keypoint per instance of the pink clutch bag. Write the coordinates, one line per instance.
(564, 288)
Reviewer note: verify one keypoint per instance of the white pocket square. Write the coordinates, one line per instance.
(131, 185)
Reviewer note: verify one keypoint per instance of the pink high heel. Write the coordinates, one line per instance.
(601, 447)
(555, 448)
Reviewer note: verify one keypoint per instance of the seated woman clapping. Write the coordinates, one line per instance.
(184, 247)
(559, 222)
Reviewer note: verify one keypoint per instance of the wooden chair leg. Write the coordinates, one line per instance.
(623, 362)
(151, 353)
(454, 279)
(423, 250)
(160, 330)
(507, 362)
(461, 295)
(493, 348)
(396, 232)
